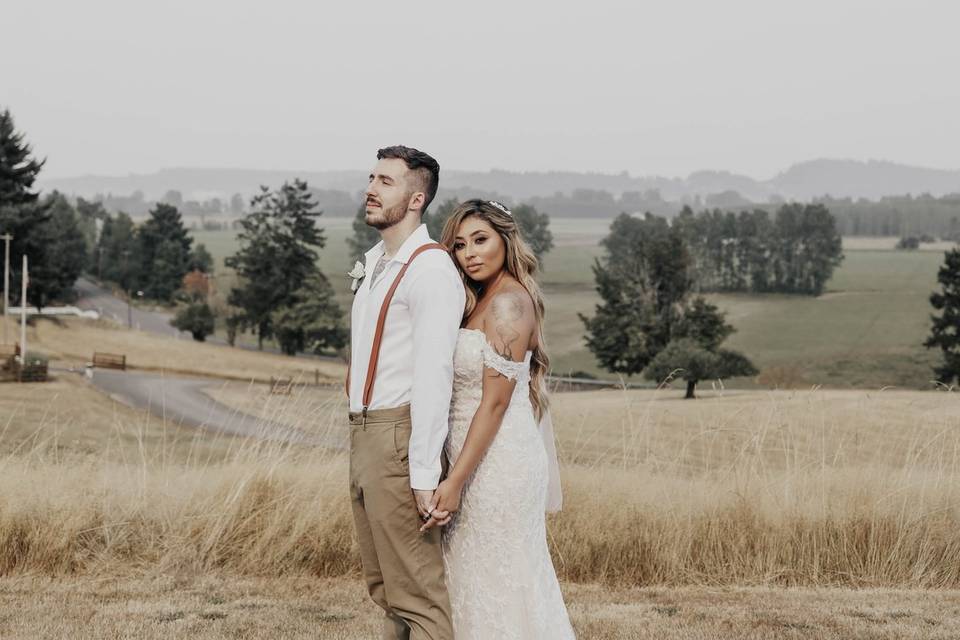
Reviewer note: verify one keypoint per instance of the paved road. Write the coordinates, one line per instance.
(93, 296)
(179, 398)
(182, 400)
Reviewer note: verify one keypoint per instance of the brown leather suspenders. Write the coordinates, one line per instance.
(381, 321)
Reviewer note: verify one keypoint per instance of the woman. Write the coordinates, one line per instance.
(500, 576)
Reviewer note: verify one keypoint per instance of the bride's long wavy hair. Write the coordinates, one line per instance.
(520, 262)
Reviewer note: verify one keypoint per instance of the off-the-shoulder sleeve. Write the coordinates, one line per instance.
(508, 368)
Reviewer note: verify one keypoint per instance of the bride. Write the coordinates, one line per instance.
(503, 474)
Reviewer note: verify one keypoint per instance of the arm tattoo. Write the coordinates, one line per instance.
(507, 309)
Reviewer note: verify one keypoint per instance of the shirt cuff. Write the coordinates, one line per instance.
(424, 479)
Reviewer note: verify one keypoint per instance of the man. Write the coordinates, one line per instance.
(398, 413)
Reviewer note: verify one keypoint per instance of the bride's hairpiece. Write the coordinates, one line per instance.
(501, 207)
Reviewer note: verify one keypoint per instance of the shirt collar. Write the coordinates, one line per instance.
(418, 238)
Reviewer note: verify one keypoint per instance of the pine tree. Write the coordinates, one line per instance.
(641, 281)
(18, 167)
(276, 257)
(163, 252)
(59, 256)
(313, 322)
(116, 244)
(364, 236)
(945, 330)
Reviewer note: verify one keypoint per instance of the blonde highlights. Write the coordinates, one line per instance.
(520, 262)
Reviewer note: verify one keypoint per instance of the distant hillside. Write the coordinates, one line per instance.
(803, 181)
(854, 179)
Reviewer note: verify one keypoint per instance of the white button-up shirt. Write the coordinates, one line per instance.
(416, 352)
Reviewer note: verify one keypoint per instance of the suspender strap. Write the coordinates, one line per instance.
(381, 322)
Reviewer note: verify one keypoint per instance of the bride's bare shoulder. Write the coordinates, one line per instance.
(510, 321)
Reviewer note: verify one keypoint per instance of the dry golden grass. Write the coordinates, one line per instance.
(764, 430)
(161, 607)
(309, 409)
(729, 490)
(821, 514)
(73, 340)
(67, 419)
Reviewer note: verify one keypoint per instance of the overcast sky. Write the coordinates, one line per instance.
(665, 87)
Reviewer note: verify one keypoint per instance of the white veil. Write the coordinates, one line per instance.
(554, 491)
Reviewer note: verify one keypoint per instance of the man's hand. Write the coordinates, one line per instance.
(424, 502)
(447, 498)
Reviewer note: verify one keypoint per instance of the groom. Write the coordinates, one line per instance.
(404, 326)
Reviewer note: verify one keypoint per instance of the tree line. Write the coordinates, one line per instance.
(793, 251)
(898, 216)
(279, 293)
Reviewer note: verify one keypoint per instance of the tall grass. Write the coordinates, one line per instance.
(755, 496)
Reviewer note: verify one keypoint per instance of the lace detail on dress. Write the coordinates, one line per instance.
(508, 368)
(499, 572)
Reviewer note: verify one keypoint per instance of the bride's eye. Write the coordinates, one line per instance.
(457, 246)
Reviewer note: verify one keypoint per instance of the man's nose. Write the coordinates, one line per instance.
(371, 189)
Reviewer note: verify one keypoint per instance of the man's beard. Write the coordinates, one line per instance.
(388, 217)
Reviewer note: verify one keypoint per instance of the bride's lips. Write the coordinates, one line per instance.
(473, 267)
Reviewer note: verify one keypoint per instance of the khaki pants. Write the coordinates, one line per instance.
(403, 568)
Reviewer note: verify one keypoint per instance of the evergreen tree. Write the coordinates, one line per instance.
(22, 213)
(753, 249)
(200, 259)
(945, 330)
(91, 216)
(18, 167)
(61, 255)
(197, 318)
(276, 257)
(820, 249)
(313, 322)
(364, 236)
(116, 245)
(163, 252)
(641, 280)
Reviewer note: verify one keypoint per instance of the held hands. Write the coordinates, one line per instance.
(446, 502)
(424, 502)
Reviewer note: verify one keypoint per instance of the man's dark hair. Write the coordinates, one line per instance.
(421, 164)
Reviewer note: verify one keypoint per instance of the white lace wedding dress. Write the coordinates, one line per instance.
(499, 573)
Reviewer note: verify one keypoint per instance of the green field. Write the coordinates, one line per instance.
(865, 331)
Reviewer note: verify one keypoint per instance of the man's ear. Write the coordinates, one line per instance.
(417, 200)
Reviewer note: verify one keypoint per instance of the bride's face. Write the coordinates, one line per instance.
(479, 249)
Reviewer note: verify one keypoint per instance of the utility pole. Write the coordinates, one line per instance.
(6, 281)
(23, 316)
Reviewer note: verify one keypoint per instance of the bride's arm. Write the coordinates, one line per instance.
(508, 329)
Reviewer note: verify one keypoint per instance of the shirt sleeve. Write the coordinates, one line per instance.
(436, 301)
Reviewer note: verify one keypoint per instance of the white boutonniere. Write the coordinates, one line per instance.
(358, 274)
